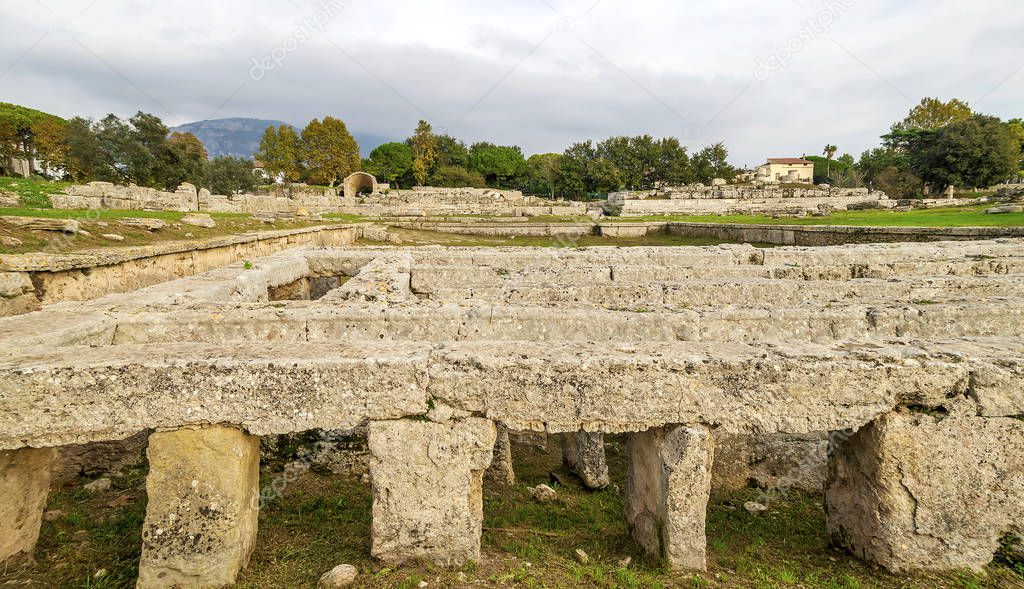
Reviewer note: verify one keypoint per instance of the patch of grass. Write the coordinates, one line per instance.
(321, 521)
(34, 192)
(973, 216)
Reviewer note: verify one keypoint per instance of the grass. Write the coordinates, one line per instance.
(972, 216)
(322, 520)
(33, 191)
(100, 222)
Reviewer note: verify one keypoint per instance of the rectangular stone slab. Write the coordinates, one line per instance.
(77, 395)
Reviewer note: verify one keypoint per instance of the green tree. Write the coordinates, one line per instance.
(672, 167)
(713, 162)
(186, 161)
(573, 176)
(390, 162)
(451, 152)
(329, 151)
(500, 165)
(231, 175)
(83, 150)
(424, 151)
(457, 177)
(543, 171)
(977, 152)
(929, 115)
(279, 153)
(1016, 128)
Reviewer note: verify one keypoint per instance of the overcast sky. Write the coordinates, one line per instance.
(769, 77)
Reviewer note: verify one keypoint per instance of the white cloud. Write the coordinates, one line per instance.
(533, 72)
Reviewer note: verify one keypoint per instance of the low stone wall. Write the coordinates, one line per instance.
(433, 202)
(30, 280)
(732, 200)
(818, 235)
(104, 195)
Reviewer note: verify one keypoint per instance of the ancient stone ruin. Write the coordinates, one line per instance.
(904, 363)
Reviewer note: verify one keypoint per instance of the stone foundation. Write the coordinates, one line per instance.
(428, 489)
(911, 491)
(24, 485)
(667, 493)
(201, 518)
(583, 453)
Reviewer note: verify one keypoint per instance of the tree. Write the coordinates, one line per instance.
(451, 152)
(390, 162)
(933, 113)
(186, 161)
(500, 165)
(930, 115)
(231, 175)
(330, 153)
(543, 171)
(977, 152)
(672, 167)
(1016, 128)
(829, 152)
(424, 151)
(279, 153)
(19, 125)
(83, 150)
(457, 177)
(573, 177)
(713, 162)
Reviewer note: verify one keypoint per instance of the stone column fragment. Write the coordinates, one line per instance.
(914, 492)
(201, 518)
(428, 489)
(24, 485)
(583, 453)
(667, 493)
(501, 470)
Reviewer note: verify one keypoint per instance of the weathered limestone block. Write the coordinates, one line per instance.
(789, 461)
(24, 485)
(583, 453)
(203, 488)
(910, 491)
(667, 493)
(501, 470)
(427, 489)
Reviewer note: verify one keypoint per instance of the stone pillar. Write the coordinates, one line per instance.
(428, 489)
(201, 518)
(911, 491)
(24, 485)
(501, 470)
(583, 453)
(667, 493)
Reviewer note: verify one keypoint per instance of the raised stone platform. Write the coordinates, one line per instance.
(433, 346)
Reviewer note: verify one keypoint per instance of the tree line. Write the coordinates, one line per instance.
(139, 150)
(585, 169)
(938, 144)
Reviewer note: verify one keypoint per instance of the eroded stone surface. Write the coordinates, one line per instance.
(667, 493)
(583, 453)
(201, 516)
(501, 470)
(24, 486)
(913, 491)
(427, 489)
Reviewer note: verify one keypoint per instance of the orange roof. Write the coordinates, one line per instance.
(788, 160)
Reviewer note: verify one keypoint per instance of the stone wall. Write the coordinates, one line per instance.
(434, 202)
(30, 280)
(104, 195)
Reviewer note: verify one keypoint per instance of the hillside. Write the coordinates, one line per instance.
(240, 137)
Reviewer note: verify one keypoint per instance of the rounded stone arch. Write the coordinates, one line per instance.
(360, 182)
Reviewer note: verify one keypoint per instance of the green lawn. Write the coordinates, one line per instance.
(973, 216)
(34, 193)
(105, 214)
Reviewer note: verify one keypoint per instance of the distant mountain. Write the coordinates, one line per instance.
(240, 137)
